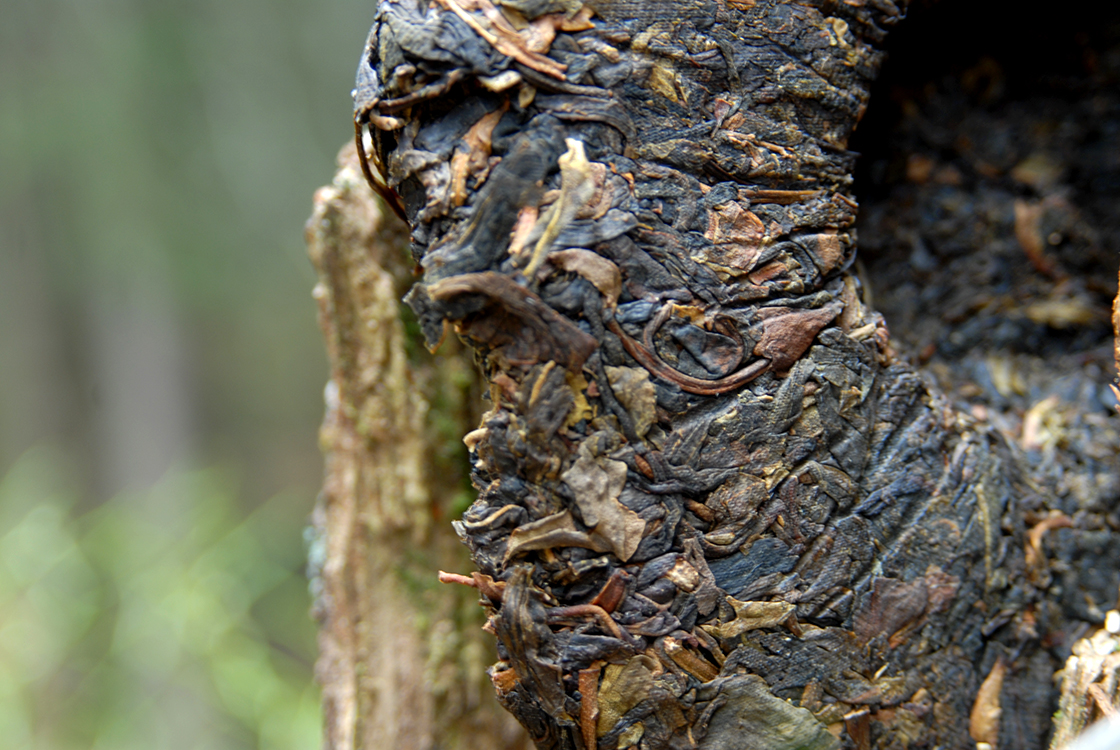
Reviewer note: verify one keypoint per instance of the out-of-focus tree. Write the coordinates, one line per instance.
(160, 369)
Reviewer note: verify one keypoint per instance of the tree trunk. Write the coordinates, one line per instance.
(401, 661)
(716, 509)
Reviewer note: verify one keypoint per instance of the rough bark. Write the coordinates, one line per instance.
(401, 662)
(1090, 686)
(716, 509)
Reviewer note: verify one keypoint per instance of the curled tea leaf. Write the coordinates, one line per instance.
(597, 483)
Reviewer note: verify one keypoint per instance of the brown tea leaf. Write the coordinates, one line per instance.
(557, 530)
(581, 408)
(474, 161)
(750, 717)
(532, 331)
(576, 188)
(589, 702)
(892, 605)
(597, 483)
(983, 723)
(787, 334)
(690, 661)
(602, 273)
(539, 33)
(633, 389)
(623, 686)
(498, 33)
(752, 616)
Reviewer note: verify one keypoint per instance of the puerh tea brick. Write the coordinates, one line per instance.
(716, 509)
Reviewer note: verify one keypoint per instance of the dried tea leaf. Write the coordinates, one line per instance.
(529, 329)
(731, 222)
(597, 484)
(581, 409)
(589, 702)
(786, 335)
(750, 717)
(602, 273)
(474, 161)
(522, 230)
(602, 198)
(502, 36)
(663, 79)
(893, 604)
(522, 628)
(557, 530)
(540, 33)
(983, 724)
(632, 736)
(532, 9)
(576, 189)
(507, 79)
(633, 389)
(828, 249)
(689, 660)
(623, 686)
(737, 237)
(752, 616)
(683, 575)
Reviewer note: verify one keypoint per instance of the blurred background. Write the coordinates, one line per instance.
(161, 369)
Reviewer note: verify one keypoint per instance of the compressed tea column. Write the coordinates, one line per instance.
(714, 510)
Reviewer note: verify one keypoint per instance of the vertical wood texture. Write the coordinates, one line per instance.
(401, 659)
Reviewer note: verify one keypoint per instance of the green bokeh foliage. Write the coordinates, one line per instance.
(123, 631)
(157, 162)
